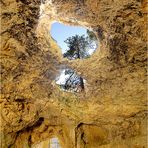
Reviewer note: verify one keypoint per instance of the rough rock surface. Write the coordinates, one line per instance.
(112, 113)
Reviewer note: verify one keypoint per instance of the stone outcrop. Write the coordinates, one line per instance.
(111, 113)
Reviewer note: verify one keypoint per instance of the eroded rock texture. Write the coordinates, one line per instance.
(112, 113)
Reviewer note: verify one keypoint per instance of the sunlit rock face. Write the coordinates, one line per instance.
(111, 113)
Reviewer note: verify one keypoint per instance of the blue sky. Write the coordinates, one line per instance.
(61, 32)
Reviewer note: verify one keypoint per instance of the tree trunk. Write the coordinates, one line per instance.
(82, 83)
(78, 54)
(81, 79)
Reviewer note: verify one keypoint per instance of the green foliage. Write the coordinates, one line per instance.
(91, 35)
(78, 47)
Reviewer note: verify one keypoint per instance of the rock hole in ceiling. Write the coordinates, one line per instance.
(76, 43)
(70, 81)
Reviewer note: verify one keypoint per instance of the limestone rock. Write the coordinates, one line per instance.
(113, 110)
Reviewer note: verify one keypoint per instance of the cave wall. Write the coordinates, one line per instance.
(112, 113)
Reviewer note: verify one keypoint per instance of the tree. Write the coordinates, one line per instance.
(91, 35)
(78, 47)
(93, 42)
(72, 82)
